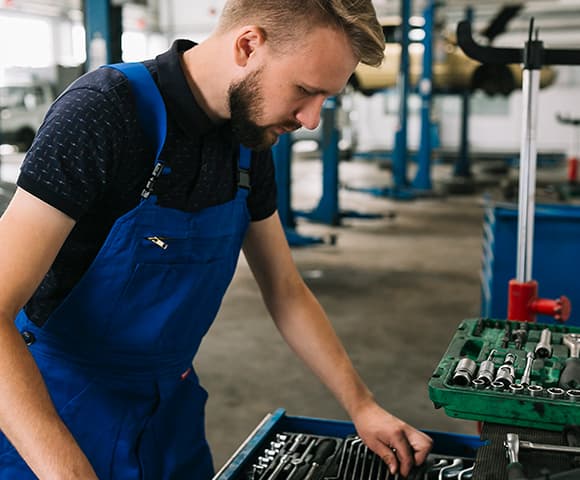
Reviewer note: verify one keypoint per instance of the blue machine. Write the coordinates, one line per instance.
(556, 256)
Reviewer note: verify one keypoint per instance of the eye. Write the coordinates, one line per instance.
(303, 91)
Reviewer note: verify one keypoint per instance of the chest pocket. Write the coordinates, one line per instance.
(159, 248)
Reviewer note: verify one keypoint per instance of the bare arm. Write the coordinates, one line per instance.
(306, 328)
(32, 233)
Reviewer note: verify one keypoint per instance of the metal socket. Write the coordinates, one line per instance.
(464, 372)
(535, 390)
(556, 392)
(517, 388)
(479, 383)
(573, 394)
(498, 386)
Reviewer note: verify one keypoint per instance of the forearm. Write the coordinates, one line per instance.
(28, 418)
(306, 328)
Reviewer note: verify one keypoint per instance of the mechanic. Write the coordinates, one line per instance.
(112, 275)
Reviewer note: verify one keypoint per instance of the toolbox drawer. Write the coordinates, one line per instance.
(537, 406)
(240, 466)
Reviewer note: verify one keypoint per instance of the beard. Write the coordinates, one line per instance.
(246, 101)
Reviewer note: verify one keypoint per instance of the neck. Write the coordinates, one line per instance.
(207, 80)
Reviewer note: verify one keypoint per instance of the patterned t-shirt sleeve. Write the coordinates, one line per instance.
(76, 147)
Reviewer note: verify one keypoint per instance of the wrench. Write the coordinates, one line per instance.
(457, 462)
(549, 448)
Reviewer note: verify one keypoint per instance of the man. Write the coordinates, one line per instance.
(109, 287)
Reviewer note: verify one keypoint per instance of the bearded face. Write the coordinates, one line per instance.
(247, 104)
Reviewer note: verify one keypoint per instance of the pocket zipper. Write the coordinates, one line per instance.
(158, 241)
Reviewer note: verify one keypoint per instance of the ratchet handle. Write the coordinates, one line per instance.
(515, 471)
(570, 377)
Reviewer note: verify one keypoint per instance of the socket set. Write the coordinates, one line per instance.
(299, 456)
(509, 372)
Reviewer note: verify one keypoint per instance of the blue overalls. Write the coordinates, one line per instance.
(117, 354)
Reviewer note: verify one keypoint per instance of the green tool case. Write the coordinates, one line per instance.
(540, 402)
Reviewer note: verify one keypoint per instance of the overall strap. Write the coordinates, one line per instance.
(244, 164)
(150, 111)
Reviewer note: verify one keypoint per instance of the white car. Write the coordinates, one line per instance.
(22, 109)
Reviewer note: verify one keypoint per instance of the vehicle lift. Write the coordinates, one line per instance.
(421, 185)
(328, 210)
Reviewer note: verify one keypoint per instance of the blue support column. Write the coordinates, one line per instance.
(103, 26)
(400, 148)
(282, 153)
(422, 179)
(328, 210)
(462, 167)
(401, 189)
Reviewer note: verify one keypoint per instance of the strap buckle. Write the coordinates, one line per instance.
(244, 178)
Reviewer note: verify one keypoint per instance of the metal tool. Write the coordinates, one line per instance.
(570, 377)
(516, 388)
(544, 447)
(544, 346)
(464, 372)
(520, 335)
(457, 462)
(515, 469)
(467, 473)
(506, 373)
(436, 466)
(297, 462)
(283, 460)
(555, 392)
(506, 336)
(487, 369)
(535, 390)
(525, 380)
(324, 450)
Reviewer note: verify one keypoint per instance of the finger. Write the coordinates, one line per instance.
(422, 445)
(405, 456)
(390, 459)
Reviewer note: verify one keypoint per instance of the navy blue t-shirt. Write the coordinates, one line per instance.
(91, 160)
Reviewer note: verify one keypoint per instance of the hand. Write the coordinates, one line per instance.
(399, 445)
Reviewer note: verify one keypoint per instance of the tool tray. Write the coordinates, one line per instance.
(543, 405)
(285, 447)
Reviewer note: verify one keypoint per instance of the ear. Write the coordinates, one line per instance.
(248, 41)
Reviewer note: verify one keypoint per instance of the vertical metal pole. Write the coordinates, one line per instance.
(400, 150)
(462, 167)
(328, 210)
(103, 26)
(423, 178)
(527, 176)
(282, 152)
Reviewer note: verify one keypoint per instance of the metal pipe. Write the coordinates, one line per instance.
(527, 175)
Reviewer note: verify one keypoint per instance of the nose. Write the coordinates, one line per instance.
(309, 114)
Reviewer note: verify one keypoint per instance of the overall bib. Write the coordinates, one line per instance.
(116, 354)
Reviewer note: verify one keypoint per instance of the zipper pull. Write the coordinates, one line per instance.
(159, 242)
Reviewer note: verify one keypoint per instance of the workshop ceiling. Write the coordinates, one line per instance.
(550, 15)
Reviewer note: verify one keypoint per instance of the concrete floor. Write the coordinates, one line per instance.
(394, 288)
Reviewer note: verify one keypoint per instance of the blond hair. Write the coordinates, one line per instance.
(285, 22)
